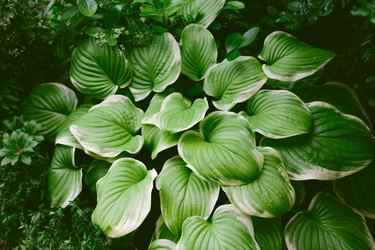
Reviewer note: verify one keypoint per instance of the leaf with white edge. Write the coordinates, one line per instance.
(233, 82)
(178, 114)
(357, 191)
(153, 108)
(278, 114)
(270, 194)
(124, 197)
(163, 232)
(64, 137)
(198, 51)
(116, 122)
(224, 151)
(99, 70)
(337, 146)
(64, 178)
(157, 140)
(228, 229)
(87, 7)
(162, 245)
(268, 233)
(156, 66)
(290, 60)
(201, 11)
(328, 224)
(183, 194)
(49, 104)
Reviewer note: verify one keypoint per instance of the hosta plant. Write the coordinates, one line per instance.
(237, 138)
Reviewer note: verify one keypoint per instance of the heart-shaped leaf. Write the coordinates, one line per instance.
(183, 194)
(337, 146)
(64, 178)
(233, 82)
(99, 70)
(124, 197)
(224, 151)
(268, 233)
(155, 66)
(49, 104)
(328, 224)
(87, 7)
(198, 51)
(270, 194)
(121, 120)
(288, 59)
(228, 228)
(278, 114)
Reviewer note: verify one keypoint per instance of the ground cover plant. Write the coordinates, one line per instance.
(167, 135)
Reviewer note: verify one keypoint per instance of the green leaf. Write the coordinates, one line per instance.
(357, 191)
(232, 42)
(228, 228)
(121, 120)
(97, 170)
(64, 178)
(201, 11)
(163, 232)
(124, 197)
(223, 151)
(162, 244)
(288, 59)
(278, 114)
(64, 137)
(183, 194)
(248, 37)
(268, 233)
(328, 224)
(155, 66)
(233, 55)
(233, 82)
(49, 104)
(235, 5)
(337, 146)
(177, 114)
(87, 7)
(270, 194)
(99, 70)
(198, 51)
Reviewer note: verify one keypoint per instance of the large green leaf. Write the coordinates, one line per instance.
(198, 51)
(270, 194)
(268, 233)
(228, 229)
(87, 7)
(278, 114)
(109, 128)
(49, 104)
(177, 114)
(201, 11)
(233, 82)
(124, 197)
(183, 194)
(224, 151)
(64, 137)
(338, 145)
(64, 178)
(99, 70)
(155, 66)
(288, 59)
(357, 191)
(328, 225)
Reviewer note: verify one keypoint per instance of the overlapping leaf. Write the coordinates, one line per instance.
(288, 59)
(64, 178)
(183, 194)
(338, 145)
(155, 66)
(124, 197)
(233, 82)
(97, 170)
(162, 244)
(270, 194)
(116, 122)
(99, 70)
(278, 114)
(227, 229)
(49, 104)
(163, 232)
(223, 151)
(198, 51)
(328, 224)
(268, 233)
